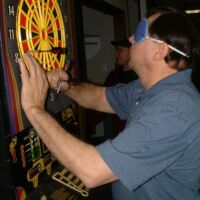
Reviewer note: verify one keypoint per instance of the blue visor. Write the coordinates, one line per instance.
(141, 31)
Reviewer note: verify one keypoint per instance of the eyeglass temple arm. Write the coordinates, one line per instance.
(171, 47)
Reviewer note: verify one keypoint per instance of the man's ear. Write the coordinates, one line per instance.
(161, 51)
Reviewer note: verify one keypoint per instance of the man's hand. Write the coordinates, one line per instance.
(34, 84)
(58, 78)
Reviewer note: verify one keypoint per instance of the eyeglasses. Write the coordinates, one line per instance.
(141, 34)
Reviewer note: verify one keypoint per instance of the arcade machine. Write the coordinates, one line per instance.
(27, 169)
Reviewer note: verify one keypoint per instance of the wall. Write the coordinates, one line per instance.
(132, 12)
(101, 25)
(98, 30)
(122, 4)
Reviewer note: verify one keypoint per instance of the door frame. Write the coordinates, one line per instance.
(119, 32)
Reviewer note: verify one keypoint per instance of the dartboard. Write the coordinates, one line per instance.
(36, 27)
(40, 30)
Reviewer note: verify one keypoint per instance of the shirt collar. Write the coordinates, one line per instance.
(171, 80)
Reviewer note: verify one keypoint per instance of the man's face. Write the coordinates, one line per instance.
(141, 52)
(122, 55)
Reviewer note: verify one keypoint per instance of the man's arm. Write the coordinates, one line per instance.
(89, 96)
(81, 158)
(85, 94)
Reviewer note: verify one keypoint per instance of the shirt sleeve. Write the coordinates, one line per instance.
(121, 96)
(150, 143)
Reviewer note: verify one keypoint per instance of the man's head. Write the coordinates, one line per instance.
(174, 35)
(122, 53)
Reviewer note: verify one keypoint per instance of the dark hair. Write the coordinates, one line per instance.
(177, 30)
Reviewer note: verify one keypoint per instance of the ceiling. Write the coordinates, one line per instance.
(179, 4)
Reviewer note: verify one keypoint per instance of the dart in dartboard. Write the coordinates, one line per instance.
(54, 50)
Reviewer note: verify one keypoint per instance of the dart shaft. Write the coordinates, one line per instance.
(55, 50)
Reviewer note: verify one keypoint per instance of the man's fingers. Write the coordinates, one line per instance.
(38, 67)
(23, 70)
(32, 66)
(63, 75)
(35, 70)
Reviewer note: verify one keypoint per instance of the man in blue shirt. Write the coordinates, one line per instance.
(157, 155)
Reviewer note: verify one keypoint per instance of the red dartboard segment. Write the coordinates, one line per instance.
(30, 2)
(59, 43)
(58, 24)
(35, 40)
(23, 20)
(51, 4)
(34, 28)
(57, 65)
(51, 40)
(39, 26)
(50, 29)
(25, 45)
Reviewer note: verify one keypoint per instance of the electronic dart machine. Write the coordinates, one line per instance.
(27, 169)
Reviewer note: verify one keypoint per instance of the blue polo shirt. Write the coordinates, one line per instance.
(157, 155)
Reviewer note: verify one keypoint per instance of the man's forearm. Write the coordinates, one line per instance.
(85, 94)
(89, 96)
(81, 158)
